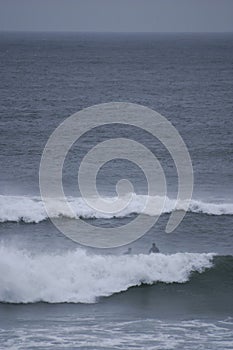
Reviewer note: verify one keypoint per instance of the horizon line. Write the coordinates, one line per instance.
(112, 32)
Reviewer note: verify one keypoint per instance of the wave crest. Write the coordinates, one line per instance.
(31, 209)
(78, 277)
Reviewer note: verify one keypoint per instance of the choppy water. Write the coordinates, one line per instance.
(55, 293)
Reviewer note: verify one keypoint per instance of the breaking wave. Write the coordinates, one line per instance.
(31, 209)
(77, 277)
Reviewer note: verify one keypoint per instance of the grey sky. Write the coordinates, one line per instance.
(117, 15)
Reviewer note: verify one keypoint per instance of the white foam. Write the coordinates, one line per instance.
(78, 277)
(31, 209)
(118, 334)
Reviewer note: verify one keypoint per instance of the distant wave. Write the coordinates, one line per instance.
(77, 277)
(31, 209)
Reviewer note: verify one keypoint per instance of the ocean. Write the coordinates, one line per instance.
(58, 294)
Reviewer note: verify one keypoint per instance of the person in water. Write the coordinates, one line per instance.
(154, 249)
(129, 251)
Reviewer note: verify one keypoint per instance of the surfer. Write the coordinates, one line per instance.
(154, 249)
(129, 251)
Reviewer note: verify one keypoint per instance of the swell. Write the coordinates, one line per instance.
(206, 293)
(78, 277)
(31, 209)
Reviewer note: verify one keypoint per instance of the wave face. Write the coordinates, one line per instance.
(78, 277)
(31, 209)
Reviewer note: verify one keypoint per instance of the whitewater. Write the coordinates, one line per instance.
(79, 277)
(30, 209)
